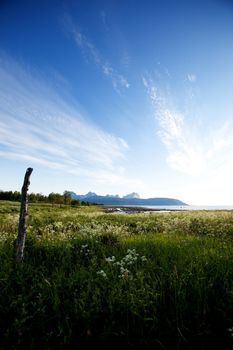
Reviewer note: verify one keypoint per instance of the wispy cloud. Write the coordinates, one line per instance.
(191, 78)
(38, 126)
(125, 59)
(188, 151)
(103, 17)
(93, 55)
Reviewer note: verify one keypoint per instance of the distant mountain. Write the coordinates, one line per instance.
(90, 194)
(83, 196)
(112, 195)
(131, 195)
(129, 199)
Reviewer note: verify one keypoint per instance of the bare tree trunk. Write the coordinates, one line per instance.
(22, 218)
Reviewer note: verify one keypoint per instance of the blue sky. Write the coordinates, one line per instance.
(118, 96)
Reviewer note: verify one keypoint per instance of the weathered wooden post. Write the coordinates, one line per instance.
(22, 217)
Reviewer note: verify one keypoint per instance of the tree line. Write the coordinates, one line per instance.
(53, 198)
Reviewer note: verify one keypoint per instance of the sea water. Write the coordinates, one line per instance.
(183, 207)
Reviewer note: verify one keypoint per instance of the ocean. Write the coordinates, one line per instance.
(183, 207)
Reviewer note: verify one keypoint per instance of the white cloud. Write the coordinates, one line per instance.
(184, 151)
(38, 126)
(92, 54)
(118, 80)
(192, 78)
(188, 151)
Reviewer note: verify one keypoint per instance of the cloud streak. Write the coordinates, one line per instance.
(191, 78)
(40, 127)
(188, 152)
(92, 55)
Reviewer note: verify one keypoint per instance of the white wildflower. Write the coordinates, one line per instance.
(111, 259)
(125, 273)
(102, 273)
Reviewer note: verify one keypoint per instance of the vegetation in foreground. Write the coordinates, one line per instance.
(150, 281)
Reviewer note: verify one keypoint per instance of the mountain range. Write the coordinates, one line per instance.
(129, 199)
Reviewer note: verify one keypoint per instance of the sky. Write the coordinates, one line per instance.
(118, 96)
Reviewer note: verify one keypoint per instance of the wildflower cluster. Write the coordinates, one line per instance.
(56, 230)
(85, 249)
(90, 231)
(230, 330)
(6, 237)
(102, 273)
(111, 259)
(128, 260)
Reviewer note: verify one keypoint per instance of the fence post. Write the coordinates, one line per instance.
(22, 217)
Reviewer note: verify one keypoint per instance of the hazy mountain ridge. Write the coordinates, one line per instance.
(131, 195)
(130, 199)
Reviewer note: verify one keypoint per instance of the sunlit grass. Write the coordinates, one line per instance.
(161, 281)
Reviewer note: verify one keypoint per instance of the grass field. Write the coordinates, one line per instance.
(149, 280)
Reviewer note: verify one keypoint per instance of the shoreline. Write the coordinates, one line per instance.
(134, 210)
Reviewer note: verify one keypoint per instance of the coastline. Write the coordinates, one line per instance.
(135, 210)
(129, 209)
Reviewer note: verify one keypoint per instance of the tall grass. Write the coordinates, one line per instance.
(153, 281)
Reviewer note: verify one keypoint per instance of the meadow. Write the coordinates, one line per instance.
(91, 278)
